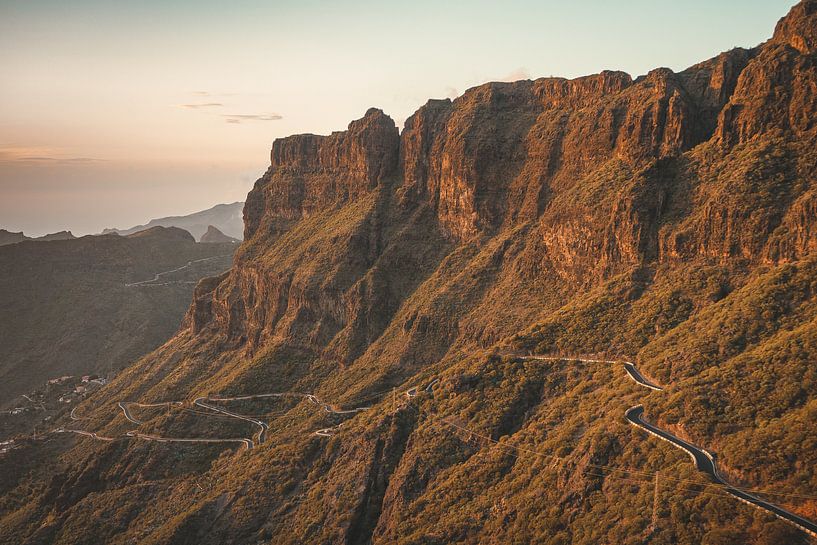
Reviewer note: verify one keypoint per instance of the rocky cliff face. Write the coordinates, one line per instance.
(797, 29)
(497, 155)
(605, 172)
(309, 172)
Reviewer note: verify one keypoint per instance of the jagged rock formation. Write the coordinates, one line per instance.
(669, 217)
(214, 236)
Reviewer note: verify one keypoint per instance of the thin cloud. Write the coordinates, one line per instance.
(40, 156)
(235, 119)
(55, 160)
(202, 105)
(82, 160)
(240, 118)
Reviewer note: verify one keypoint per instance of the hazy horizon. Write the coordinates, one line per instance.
(113, 114)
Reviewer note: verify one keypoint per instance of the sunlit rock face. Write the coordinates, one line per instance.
(604, 172)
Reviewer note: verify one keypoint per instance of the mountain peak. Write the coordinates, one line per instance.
(213, 235)
(798, 29)
(374, 139)
(310, 172)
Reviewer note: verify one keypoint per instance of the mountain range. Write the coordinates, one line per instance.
(9, 237)
(94, 304)
(520, 319)
(225, 217)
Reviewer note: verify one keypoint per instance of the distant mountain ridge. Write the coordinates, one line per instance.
(9, 237)
(227, 218)
(95, 304)
(164, 233)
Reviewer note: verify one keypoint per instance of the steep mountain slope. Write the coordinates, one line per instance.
(668, 219)
(67, 307)
(225, 217)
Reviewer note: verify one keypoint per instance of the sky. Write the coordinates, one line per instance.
(115, 112)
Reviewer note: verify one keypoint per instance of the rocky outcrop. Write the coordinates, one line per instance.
(214, 236)
(9, 237)
(310, 172)
(496, 154)
(799, 28)
(778, 91)
(797, 234)
(576, 181)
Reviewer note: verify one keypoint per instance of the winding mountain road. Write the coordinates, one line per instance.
(330, 408)
(213, 410)
(85, 433)
(159, 439)
(259, 438)
(73, 414)
(704, 461)
(157, 276)
(412, 392)
(37, 404)
(326, 432)
(126, 411)
(125, 406)
(634, 374)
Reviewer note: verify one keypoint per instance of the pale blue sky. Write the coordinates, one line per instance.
(115, 112)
